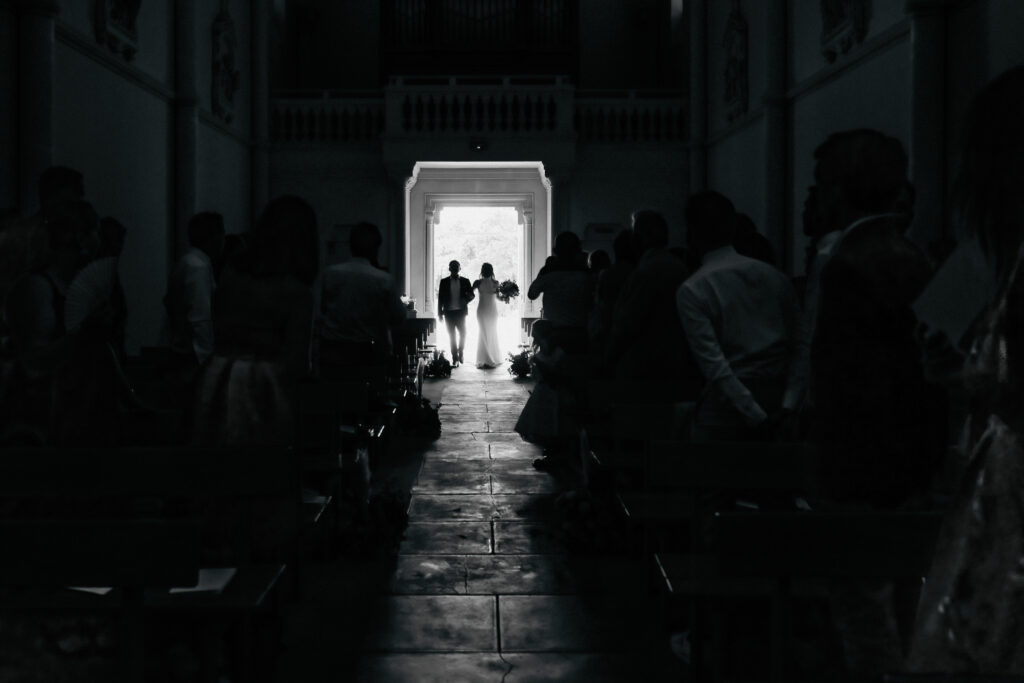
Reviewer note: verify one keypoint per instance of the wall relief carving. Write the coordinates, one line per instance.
(226, 77)
(735, 41)
(114, 24)
(844, 23)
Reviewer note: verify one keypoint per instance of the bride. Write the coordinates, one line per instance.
(487, 353)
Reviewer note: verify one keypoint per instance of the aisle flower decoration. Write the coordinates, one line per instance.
(507, 291)
(520, 364)
(439, 367)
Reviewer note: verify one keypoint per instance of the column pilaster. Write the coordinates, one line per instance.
(928, 117)
(186, 122)
(260, 20)
(36, 42)
(698, 96)
(776, 144)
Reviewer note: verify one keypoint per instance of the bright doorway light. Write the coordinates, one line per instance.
(474, 235)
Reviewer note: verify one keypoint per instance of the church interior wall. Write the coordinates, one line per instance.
(736, 169)
(8, 108)
(610, 181)
(851, 100)
(119, 135)
(346, 185)
(206, 13)
(718, 16)
(822, 98)
(223, 170)
(222, 176)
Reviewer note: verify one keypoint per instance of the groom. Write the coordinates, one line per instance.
(453, 299)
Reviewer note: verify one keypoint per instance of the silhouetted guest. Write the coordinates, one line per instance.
(24, 244)
(568, 291)
(262, 327)
(879, 424)
(739, 315)
(646, 340)
(359, 303)
(969, 615)
(598, 261)
(66, 379)
(869, 394)
(112, 238)
(233, 244)
(453, 297)
(609, 284)
(189, 299)
(749, 242)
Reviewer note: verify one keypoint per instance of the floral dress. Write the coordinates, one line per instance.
(971, 613)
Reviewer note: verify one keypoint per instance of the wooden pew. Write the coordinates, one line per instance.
(43, 557)
(779, 555)
(678, 473)
(39, 486)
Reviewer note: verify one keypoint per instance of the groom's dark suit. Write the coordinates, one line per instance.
(455, 316)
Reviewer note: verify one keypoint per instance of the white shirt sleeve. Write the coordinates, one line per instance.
(199, 286)
(800, 367)
(707, 352)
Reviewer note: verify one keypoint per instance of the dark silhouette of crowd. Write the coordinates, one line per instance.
(848, 360)
(851, 359)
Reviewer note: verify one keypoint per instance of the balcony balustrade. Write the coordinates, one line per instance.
(513, 107)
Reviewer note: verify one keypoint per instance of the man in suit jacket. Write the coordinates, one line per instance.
(453, 297)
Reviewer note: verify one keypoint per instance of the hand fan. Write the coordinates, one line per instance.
(89, 291)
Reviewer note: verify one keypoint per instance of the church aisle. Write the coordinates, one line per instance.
(483, 589)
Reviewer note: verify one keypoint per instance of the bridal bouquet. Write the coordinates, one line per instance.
(507, 291)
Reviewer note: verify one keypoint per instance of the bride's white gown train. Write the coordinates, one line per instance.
(487, 353)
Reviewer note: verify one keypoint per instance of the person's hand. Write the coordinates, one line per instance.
(97, 324)
(784, 425)
(941, 361)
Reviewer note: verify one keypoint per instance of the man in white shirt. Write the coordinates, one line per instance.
(189, 299)
(739, 316)
(360, 303)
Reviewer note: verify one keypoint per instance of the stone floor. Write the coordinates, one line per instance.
(482, 589)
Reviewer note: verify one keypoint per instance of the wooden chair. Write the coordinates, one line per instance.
(779, 555)
(42, 485)
(43, 557)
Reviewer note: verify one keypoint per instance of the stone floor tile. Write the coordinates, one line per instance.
(500, 426)
(448, 448)
(464, 427)
(556, 623)
(592, 668)
(515, 466)
(441, 466)
(511, 537)
(444, 507)
(531, 482)
(432, 668)
(429, 623)
(431, 575)
(532, 506)
(452, 482)
(512, 449)
(442, 538)
(440, 508)
(500, 437)
(518, 574)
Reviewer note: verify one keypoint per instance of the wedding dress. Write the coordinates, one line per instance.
(487, 353)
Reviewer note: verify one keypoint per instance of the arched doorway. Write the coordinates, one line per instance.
(436, 185)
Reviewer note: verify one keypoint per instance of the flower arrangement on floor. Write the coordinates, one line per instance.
(520, 364)
(439, 367)
(507, 291)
